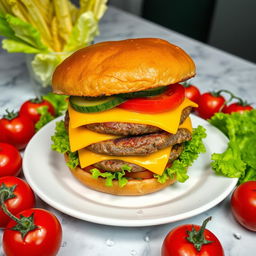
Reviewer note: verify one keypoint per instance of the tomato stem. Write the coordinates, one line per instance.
(5, 194)
(197, 237)
(37, 100)
(24, 224)
(10, 114)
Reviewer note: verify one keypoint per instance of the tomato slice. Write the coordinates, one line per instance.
(168, 100)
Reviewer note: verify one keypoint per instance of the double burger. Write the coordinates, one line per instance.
(127, 130)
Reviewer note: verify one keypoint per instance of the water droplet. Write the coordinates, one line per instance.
(139, 212)
(147, 239)
(133, 252)
(64, 244)
(110, 242)
(237, 236)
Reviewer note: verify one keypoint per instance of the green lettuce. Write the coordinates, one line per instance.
(59, 102)
(21, 36)
(17, 46)
(44, 64)
(179, 167)
(60, 143)
(191, 151)
(60, 105)
(83, 33)
(110, 176)
(45, 117)
(239, 159)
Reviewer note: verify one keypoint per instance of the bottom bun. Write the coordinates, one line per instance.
(132, 188)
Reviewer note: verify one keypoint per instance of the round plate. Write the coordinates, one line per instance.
(49, 177)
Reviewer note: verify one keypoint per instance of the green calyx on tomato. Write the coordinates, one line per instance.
(10, 114)
(36, 100)
(197, 238)
(24, 224)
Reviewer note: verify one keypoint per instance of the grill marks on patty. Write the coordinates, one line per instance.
(141, 139)
(140, 145)
(126, 129)
(116, 165)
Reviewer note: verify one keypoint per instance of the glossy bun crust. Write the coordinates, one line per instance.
(122, 66)
(132, 188)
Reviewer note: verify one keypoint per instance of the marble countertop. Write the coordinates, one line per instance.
(215, 70)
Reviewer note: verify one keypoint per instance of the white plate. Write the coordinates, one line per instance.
(51, 180)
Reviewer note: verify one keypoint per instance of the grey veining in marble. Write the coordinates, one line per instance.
(215, 70)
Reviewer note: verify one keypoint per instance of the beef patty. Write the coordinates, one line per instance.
(115, 165)
(126, 129)
(140, 145)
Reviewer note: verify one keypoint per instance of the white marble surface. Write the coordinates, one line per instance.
(215, 70)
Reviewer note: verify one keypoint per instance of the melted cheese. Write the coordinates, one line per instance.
(81, 137)
(155, 162)
(168, 121)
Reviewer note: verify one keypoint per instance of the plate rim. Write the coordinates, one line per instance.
(140, 222)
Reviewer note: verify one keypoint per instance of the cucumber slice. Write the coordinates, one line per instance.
(145, 93)
(92, 105)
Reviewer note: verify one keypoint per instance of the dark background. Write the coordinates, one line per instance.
(226, 24)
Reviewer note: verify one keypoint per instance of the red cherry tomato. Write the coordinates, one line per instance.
(209, 104)
(236, 107)
(44, 240)
(166, 101)
(16, 130)
(176, 243)
(10, 160)
(243, 204)
(192, 93)
(24, 197)
(29, 108)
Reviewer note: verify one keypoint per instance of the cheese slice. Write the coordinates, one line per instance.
(168, 121)
(81, 137)
(154, 162)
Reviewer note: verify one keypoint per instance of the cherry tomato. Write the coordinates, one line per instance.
(16, 130)
(209, 104)
(10, 160)
(29, 108)
(236, 107)
(192, 93)
(44, 240)
(243, 204)
(24, 197)
(177, 244)
(166, 101)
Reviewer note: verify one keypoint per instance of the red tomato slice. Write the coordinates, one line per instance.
(166, 101)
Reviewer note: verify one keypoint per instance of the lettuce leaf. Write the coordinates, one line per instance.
(17, 46)
(191, 151)
(179, 168)
(60, 139)
(59, 102)
(44, 64)
(110, 176)
(61, 144)
(239, 159)
(45, 117)
(83, 33)
(26, 32)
